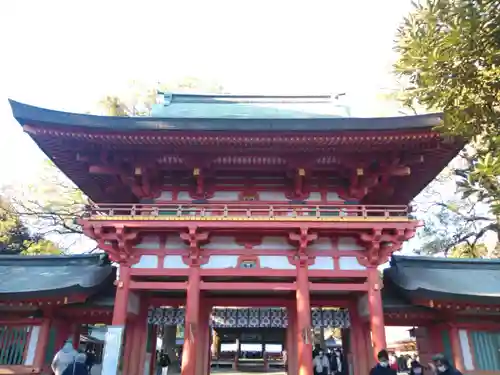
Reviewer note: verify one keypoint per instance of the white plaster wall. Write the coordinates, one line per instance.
(274, 243)
(333, 196)
(222, 243)
(225, 196)
(30, 354)
(323, 263)
(183, 196)
(174, 261)
(221, 261)
(276, 262)
(351, 264)
(147, 261)
(134, 303)
(149, 242)
(349, 243)
(272, 196)
(112, 348)
(363, 309)
(175, 242)
(165, 196)
(322, 243)
(466, 349)
(314, 196)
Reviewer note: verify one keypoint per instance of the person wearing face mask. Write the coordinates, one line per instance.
(416, 368)
(440, 365)
(382, 367)
(321, 364)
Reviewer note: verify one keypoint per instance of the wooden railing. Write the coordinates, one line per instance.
(242, 211)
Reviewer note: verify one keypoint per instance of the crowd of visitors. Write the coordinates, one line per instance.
(69, 361)
(439, 365)
(333, 362)
(329, 362)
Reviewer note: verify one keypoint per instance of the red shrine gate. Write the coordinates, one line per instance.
(220, 261)
(224, 201)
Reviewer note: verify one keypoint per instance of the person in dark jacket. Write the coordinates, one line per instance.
(78, 367)
(416, 368)
(164, 362)
(90, 361)
(440, 365)
(382, 367)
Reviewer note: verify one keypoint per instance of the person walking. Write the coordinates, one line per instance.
(383, 367)
(164, 363)
(321, 364)
(63, 358)
(440, 365)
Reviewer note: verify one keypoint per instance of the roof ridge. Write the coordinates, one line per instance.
(443, 260)
(38, 257)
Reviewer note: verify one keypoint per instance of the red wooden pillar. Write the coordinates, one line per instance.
(358, 346)
(204, 340)
(304, 344)
(121, 299)
(129, 335)
(191, 329)
(77, 331)
(43, 341)
(456, 349)
(376, 311)
(142, 338)
(63, 333)
(292, 348)
(371, 361)
(152, 345)
(119, 319)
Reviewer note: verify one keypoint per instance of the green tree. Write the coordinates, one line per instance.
(450, 57)
(15, 236)
(138, 99)
(52, 205)
(467, 251)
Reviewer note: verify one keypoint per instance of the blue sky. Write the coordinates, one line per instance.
(66, 55)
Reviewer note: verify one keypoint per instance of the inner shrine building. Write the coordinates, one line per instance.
(243, 212)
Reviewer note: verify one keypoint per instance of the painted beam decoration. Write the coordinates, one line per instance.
(251, 317)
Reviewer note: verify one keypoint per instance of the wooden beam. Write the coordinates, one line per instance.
(325, 287)
(20, 322)
(167, 272)
(157, 285)
(99, 169)
(271, 287)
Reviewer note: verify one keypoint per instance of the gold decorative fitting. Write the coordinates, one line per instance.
(302, 172)
(360, 172)
(138, 171)
(196, 171)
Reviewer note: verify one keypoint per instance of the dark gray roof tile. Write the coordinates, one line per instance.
(36, 276)
(214, 116)
(446, 278)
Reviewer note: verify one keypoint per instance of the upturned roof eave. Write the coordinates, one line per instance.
(30, 115)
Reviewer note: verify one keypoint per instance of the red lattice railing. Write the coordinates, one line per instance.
(251, 211)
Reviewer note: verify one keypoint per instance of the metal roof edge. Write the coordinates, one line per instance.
(414, 260)
(27, 114)
(51, 260)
